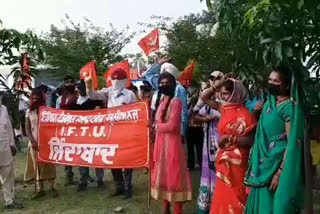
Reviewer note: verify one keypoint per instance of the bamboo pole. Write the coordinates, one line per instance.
(35, 174)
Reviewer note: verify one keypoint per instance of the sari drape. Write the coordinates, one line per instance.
(272, 145)
(231, 163)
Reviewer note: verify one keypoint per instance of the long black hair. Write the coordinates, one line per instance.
(172, 83)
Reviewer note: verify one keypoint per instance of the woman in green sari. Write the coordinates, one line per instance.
(274, 172)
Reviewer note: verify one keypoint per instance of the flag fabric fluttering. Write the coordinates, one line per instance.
(185, 77)
(26, 66)
(24, 80)
(123, 65)
(150, 43)
(90, 70)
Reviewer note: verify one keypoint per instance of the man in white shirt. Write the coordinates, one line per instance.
(7, 151)
(114, 96)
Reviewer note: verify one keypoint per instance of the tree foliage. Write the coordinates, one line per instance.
(70, 48)
(274, 32)
(13, 45)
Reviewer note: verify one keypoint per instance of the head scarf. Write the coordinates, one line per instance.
(170, 68)
(239, 94)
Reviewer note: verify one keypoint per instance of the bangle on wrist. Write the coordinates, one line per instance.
(230, 138)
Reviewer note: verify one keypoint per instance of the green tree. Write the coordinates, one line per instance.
(273, 32)
(13, 45)
(70, 48)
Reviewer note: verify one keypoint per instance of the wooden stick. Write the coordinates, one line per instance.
(149, 189)
(35, 174)
(308, 170)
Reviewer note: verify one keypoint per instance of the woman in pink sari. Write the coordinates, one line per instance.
(170, 179)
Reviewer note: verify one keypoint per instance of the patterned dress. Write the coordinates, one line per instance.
(231, 163)
(210, 147)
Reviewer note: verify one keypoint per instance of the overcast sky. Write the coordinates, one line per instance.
(40, 14)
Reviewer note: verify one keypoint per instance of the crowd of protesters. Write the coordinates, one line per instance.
(245, 146)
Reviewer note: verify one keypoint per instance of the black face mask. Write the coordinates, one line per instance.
(274, 89)
(166, 90)
(70, 88)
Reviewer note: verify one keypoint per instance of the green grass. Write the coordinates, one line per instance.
(96, 201)
(91, 201)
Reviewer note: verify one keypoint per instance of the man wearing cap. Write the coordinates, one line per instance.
(114, 96)
(152, 76)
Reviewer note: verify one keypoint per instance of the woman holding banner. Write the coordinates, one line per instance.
(170, 179)
(34, 170)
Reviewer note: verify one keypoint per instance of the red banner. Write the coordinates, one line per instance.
(105, 138)
(150, 43)
(123, 65)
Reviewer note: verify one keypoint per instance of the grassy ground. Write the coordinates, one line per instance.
(96, 201)
(91, 201)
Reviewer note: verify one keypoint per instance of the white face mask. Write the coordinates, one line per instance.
(119, 84)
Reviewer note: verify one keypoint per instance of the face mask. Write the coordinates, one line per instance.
(119, 84)
(166, 90)
(70, 88)
(274, 89)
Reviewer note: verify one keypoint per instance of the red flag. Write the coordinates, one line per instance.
(150, 43)
(123, 65)
(25, 62)
(90, 69)
(185, 77)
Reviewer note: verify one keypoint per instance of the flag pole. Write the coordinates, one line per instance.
(35, 174)
(149, 190)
